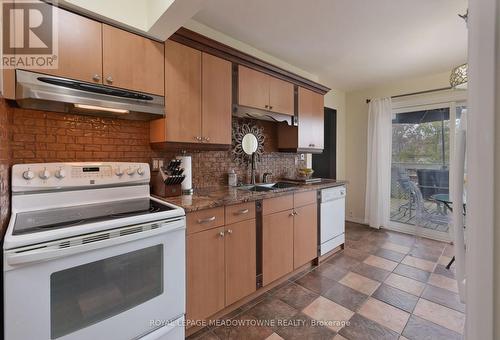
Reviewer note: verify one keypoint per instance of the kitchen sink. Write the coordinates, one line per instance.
(256, 188)
(268, 186)
(283, 185)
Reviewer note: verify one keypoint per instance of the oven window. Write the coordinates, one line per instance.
(84, 295)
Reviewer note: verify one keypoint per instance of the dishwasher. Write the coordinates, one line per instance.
(332, 219)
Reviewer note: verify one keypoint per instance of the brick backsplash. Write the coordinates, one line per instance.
(31, 136)
(5, 111)
(39, 136)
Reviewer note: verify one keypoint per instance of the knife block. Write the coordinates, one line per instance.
(163, 190)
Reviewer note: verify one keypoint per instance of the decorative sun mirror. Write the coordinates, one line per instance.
(249, 143)
(248, 139)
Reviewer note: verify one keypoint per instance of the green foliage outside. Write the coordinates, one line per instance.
(420, 143)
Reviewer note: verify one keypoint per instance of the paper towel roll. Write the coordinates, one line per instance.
(187, 183)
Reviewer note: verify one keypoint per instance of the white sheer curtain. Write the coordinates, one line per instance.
(378, 169)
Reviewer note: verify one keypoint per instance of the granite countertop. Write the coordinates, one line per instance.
(212, 197)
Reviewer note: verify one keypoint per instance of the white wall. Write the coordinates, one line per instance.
(155, 9)
(356, 124)
(127, 12)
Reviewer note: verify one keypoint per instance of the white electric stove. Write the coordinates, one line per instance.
(88, 254)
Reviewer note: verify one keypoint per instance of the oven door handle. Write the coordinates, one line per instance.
(51, 251)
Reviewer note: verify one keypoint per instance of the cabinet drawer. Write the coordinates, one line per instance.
(276, 204)
(204, 219)
(240, 212)
(304, 198)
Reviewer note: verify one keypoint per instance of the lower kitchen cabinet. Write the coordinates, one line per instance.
(305, 235)
(205, 273)
(277, 245)
(221, 267)
(240, 254)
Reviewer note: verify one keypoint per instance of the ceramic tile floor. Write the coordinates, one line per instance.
(383, 285)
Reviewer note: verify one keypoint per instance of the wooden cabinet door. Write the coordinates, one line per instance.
(182, 122)
(205, 273)
(240, 260)
(79, 48)
(216, 100)
(311, 119)
(281, 96)
(253, 88)
(318, 114)
(277, 245)
(132, 62)
(305, 235)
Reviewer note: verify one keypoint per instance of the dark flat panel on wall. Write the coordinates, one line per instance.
(325, 164)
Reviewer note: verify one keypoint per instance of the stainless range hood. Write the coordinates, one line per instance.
(48, 93)
(242, 111)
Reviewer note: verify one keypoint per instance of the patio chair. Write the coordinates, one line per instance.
(404, 181)
(433, 182)
(424, 216)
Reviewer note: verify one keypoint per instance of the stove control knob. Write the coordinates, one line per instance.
(61, 173)
(28, 174)
(140, 171)
(130, 172)
(44, 174)
(119, 172)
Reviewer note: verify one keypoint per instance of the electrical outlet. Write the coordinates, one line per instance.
(350, 214)
(302, 156)
(155, 165)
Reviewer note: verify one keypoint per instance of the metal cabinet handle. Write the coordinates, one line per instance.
(207, 220)
(266, 106)
(109, 79)
(292, 214)
(312, 145)
(221, 234)
(295, 213)
(206, 139)
(96, 77)
(270, 107)
(243, 211)
(198, 138)
(229, 231)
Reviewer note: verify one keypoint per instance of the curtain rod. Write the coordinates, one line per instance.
(419, 92)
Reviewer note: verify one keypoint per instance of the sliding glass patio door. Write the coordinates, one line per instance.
(422, 140)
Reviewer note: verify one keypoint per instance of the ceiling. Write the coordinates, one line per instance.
(349, 44)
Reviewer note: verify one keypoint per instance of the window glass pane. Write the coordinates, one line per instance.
(84, 295)
(420, 161)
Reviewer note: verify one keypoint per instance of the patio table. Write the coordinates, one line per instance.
(443, 198)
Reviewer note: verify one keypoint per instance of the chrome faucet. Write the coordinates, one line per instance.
(265, 177)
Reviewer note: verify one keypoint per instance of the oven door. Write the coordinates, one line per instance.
(117, 284)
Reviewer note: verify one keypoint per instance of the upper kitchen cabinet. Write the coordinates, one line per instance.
(253, 88)
(261, 91)
(198, 98)
(182, 123)
(79, 53)
(308, 136)
(79, 48)
(281, 96)
(216, 100)
(132, 62)
(311, 119)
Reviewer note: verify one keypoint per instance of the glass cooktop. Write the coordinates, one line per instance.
(41, 220)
